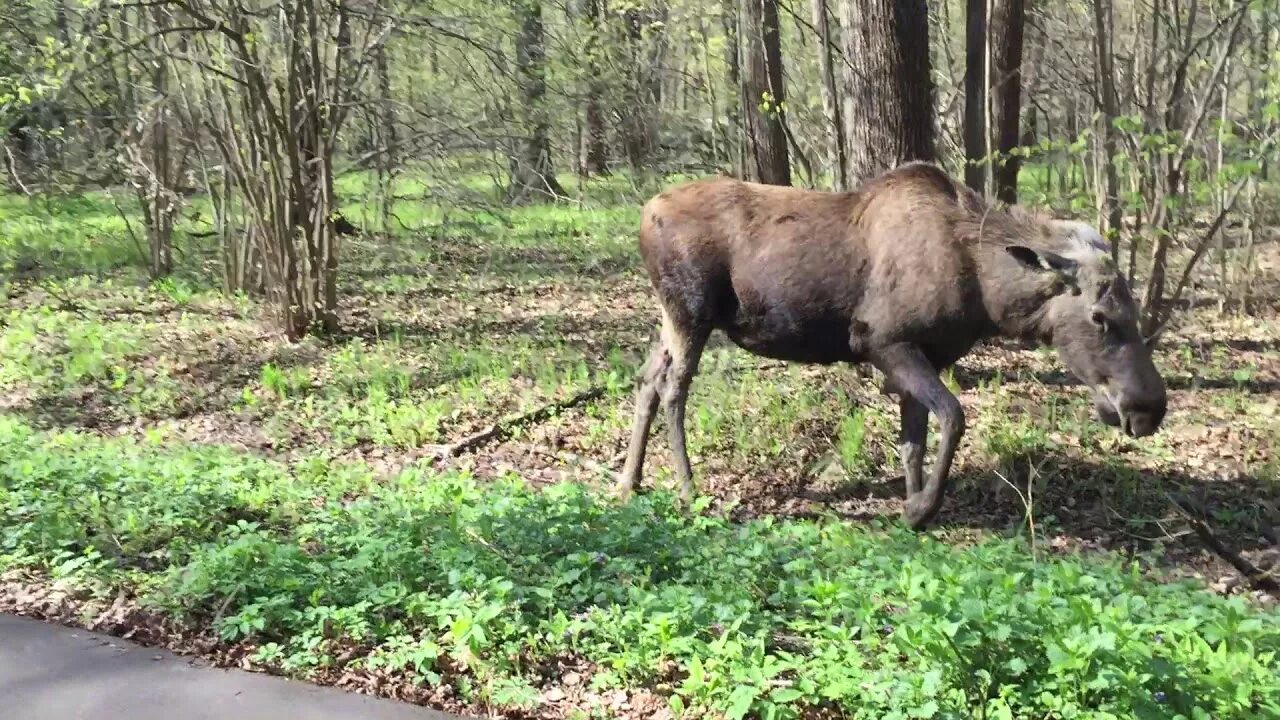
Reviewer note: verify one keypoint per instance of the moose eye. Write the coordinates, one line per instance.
(1099, 319)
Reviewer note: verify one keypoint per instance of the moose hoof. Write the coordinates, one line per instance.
(917, 513)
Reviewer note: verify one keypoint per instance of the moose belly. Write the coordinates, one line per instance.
(783, 332)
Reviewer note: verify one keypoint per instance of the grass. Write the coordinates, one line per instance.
(320, 566)
(159, 443)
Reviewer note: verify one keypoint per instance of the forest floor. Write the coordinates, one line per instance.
(176, 471)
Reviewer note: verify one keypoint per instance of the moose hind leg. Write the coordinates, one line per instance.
(686, 351)
(651, 382)
(913, 434)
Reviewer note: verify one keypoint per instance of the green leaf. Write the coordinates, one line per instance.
(740, 701)
(927, 710)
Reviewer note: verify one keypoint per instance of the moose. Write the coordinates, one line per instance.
(908, 272)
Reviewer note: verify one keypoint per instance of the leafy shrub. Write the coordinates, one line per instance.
(320, 566)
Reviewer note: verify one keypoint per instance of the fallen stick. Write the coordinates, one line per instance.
(1258, 579)
(503, 428)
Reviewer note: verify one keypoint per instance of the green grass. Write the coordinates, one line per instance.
(439, 578)
(467, 312)
(80, 233)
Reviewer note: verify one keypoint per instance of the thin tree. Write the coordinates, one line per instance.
(830, 97)
(596, 161)
(532, 172)
(1109, 105)
(888, 107)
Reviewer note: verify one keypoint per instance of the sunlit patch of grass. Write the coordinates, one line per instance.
(401, 393)
(64, 234)
(57, 354)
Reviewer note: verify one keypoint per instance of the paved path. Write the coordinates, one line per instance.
(49, 672)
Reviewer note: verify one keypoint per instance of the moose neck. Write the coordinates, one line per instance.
(1016, 302)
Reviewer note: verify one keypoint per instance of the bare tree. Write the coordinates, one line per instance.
(643, 41)
(763, 95)
(1109, 105)
(274, 110)
(153, 165)
(532, 172)
(597, 155)
(888, 108)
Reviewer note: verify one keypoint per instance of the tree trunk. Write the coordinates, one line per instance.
(597, 155)
(388, 144)
(830, 98)
(1109, 105)
(731, 17)
(762, 93)
(1031, 74)
(975, 96)
(532, 174)
(386, 112)
(639, 126)
(1008, 21)
(888, 108)
(1174, 120)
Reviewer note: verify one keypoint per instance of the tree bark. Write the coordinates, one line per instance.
(532, 174)
(975, 96)
(597, 155)
(1008, 22)
(388, 144)
(830, 98)
(888, 108)
(731, 17)
(763, 95)
(1109, 105)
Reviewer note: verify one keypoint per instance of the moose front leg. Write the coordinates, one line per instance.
(915, 380)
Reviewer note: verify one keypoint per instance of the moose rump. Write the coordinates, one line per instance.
(907, 273)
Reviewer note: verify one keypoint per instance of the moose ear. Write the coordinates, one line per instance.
(1042, 260)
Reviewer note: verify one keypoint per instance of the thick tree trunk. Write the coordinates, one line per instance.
(1008, 20)
(762, 93)
(888, 108)
(830, 98)
(532, 174)
(975, 95)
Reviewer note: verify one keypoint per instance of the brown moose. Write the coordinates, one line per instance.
(908, 273)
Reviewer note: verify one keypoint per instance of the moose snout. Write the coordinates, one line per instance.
(1136, 417)
(1141, 422)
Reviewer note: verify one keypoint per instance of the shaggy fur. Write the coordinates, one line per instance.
(906, 273)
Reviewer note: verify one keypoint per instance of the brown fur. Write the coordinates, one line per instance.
(908, 273)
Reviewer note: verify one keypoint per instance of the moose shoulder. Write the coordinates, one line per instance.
(907, 273)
